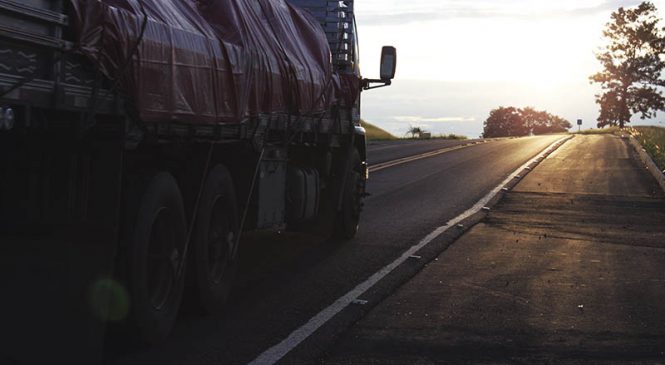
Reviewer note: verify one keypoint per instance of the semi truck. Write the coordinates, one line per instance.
(153, 133)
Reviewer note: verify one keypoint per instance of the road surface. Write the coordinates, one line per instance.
(567, 269)
(382, 151)
(589, 288)
(287, 278)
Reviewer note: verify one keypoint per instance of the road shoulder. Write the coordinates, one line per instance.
(568, 268)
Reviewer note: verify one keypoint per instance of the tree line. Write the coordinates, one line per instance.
(515, 122)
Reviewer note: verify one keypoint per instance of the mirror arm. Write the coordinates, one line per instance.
(367, 83)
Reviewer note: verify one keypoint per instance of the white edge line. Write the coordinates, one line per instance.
(277, 352)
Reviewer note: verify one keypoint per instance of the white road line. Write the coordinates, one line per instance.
(403, 160)
(277, 352)
(373, 148)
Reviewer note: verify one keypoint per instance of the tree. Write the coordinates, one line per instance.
(415, 131)
(510, 121)
(535, 121)
(632, 62)
(558, 124)
(554, 124)
(504, 122)
(542, 122)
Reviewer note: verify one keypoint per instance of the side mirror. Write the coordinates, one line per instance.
(388, 63)
(388, 68)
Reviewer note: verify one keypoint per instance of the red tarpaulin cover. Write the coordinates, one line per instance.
(211, 61)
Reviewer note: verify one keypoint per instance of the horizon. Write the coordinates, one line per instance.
(537, 54)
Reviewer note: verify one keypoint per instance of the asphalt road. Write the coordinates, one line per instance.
(566, 269)
(383, 151)
(287, 278)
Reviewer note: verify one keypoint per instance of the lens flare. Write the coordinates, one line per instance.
(109, 300)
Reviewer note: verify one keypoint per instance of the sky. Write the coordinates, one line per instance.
(458, 59)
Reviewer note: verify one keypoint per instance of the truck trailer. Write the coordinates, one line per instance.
(154, 132)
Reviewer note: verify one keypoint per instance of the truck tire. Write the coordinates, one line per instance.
(346, 221)
(214, 245)
(155, 259)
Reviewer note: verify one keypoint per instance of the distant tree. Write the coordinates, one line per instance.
(510, 121)
(556, 124)
(504, 122)
(534, 121)
(542, 122)
(632, 63)
(415, 132)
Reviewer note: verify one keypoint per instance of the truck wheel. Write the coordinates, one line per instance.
(346, 221)
(155, 259)
(215, 251)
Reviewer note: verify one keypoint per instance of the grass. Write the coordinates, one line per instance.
(451, 136)
(454, 136)
(375, 133)
(610, 130)
(653, 141)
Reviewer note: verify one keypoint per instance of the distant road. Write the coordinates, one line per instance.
(286, 279)
(382, 151)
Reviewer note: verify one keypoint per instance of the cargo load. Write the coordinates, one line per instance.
(210, 61)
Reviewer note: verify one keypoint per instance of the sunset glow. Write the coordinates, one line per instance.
(539, 52)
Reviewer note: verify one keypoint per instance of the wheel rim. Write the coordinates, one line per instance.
(221, 240)
(163, 259)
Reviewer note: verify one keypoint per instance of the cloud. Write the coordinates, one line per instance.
(419, 119)
(606, 6)
(413, 13)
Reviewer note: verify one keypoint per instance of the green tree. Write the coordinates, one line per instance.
(632, 62)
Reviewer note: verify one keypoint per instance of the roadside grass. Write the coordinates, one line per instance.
(428, 136)
(653, 141)
(451, 136)
(610, 130)
(375, 133)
